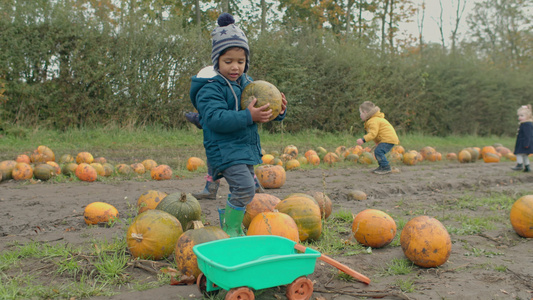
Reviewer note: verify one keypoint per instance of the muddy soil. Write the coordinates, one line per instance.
(492, 264)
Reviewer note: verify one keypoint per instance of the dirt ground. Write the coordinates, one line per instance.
(52, 212)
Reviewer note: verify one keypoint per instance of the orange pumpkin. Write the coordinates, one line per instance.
(503, 150)
(340, 151)
(86, 172)
(426, 242)
(271, 176)
(6, 168)
(149, 200)
(186, 260)
(373, 228)
(274, 223)
(331, 158)
(42, 154)
(490, 157)
(23, 158)
(291, 150)
(309, 153)
(522, 216)
(464, 156)
(161, 172)
(153, 235)
(474, 153)
(100, 160)
(22, 171)
(357, 149)
(149, 164)
(313, 159)
(324, 203)
(305, 213)
(267, 159)
(260, 203)
(425, 151)
(451, 156)
(410, 158)
(488, 149)
(398, 149)
(99, 212)
(84, 157)
(193, 163)
(292, 164)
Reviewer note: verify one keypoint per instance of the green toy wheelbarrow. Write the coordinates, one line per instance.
(243, 264)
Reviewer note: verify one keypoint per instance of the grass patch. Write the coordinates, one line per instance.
(398, 266)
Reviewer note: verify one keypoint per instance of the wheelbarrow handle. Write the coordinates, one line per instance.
(338, 265)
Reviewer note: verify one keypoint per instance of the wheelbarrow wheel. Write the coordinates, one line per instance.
(300, 289)
(240, 293)
(201, 282)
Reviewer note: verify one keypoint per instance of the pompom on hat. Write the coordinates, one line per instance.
(227, 35)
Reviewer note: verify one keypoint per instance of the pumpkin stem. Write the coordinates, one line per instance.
(137, 236)
(183, 197)
(195, 224)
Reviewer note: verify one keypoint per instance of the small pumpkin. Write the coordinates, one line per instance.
(66, 158)
(138, 168)
(86, 172)
(69, 169)
(108, 169)
(186, 260)
(149, 200)
(99, 212)
(44, 172)
(22, 171)
(313, 159)
(451, 156)
(366, 158)
(324, 203)
(6, 168)
(291, 150)
(267, 159)
(490, 157)
(100, 160)
(99, 168)
(56, 167)
(426, 242)
(183, 206)
(410, 158)
(23, 158)
(193, 163)
(305, 213)
(464, 156)
(309, 153)
(331, 158)
(153, 235)
(398, 149)
(521, 216)
(84, 157)
(373, 228)
(292, 164)
(356, 195)
(42, 154)
(261, 202)
(161, 172)
(271, 176)
(123, 169)
(274, 223)
(265, 93)
(149, 164)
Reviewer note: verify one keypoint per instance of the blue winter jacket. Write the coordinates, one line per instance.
(230, 135)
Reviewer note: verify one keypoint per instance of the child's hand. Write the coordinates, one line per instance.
(259, 114)
(360, 142)
(283, 104)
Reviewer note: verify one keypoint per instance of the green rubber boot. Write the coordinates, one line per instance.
(231, 220)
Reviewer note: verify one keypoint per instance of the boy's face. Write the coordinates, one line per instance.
(231, 64)
(362, 114)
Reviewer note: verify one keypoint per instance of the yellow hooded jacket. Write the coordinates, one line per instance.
(380, 130)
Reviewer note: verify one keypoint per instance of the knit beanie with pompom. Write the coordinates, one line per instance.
(227, 35)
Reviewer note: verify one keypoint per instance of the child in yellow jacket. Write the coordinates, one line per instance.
(379, 130)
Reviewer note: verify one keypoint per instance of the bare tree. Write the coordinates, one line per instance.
(440, 23)
(420, 16)
(458, 15)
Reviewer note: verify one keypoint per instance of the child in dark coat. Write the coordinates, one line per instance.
(524, 138)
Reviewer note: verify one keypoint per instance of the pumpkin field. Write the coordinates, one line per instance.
(470, 201)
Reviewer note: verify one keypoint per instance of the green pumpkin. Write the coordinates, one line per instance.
(182, 206)
(44, 172)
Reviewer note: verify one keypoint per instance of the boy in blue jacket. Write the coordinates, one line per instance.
(231, 139)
